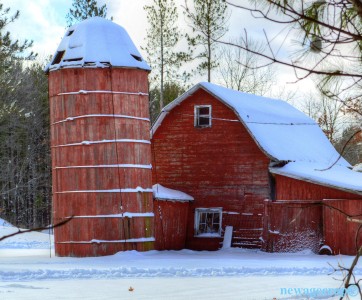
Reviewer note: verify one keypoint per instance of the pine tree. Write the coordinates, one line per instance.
(25, 186)
(25, 176)
(10, 50)
(162, 38)
(170, 92)
(208, 21)
(84, 9)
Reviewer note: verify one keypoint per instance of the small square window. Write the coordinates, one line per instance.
(208, 222)
(203, 116)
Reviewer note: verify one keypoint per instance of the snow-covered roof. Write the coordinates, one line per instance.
(162, 193)
(337, 176)
(284, 134)
(97, 42)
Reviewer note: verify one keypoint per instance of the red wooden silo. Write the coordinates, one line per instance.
(101, 152)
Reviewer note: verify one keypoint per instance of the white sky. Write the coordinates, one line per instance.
(43, 21)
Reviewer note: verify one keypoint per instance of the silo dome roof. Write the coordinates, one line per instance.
(97, 42)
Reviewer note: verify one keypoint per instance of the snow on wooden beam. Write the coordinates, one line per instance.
(103, 141)
(102, 116)
(122, 215)
(95, 241)
(126, 190)
(135, 166)
(84, 92)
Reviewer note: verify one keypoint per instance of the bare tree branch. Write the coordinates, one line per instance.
(342, 151)
(61, 223)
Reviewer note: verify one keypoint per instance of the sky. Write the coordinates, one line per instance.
(44, 22)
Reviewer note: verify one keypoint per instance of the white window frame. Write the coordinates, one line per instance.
(197, 115)
(213, 210)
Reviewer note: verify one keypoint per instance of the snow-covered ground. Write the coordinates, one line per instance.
(29, 270)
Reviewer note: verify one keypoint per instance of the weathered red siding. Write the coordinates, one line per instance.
(291, 226)
(341, 235)
(337, 233)
(291, 189)
(81, 178)
(170, 224)
(219, 166)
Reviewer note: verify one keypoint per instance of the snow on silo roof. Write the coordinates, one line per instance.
(97, 42)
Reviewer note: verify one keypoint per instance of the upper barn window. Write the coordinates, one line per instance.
(203, 116)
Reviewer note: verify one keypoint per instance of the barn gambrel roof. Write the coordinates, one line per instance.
(285, 135)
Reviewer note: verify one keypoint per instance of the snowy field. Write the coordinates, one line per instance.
(29, 270)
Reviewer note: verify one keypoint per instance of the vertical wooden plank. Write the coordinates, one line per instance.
(170, 224)
(340, 234)
(293, 226)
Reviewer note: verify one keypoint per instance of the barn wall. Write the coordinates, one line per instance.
(291, 226)
(219, 166)
(290, 189)
(170, 224)
(341, 235)
(334, 230)
(85, 173)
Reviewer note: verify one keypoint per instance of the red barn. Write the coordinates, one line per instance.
(258, 165)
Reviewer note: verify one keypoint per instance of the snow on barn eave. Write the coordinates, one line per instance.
(96, 42)
(337, 177)
(162, 193)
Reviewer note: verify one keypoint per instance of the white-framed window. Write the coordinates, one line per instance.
(202, 115)
(208, 222)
